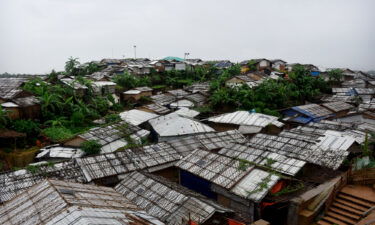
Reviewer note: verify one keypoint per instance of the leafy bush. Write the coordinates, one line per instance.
(77, 118)
(58, 133)
(91, 147)
(26, 126)
(112, 118)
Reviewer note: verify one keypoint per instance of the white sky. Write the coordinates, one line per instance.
(39, 35)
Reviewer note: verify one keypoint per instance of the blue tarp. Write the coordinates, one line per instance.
(301, 119)
(197, 184)
(315, 73)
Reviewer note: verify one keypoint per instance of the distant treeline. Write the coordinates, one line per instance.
(5, 75)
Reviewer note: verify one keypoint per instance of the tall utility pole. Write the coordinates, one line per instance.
(135, 51)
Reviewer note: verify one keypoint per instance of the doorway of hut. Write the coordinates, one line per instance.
(275, 213)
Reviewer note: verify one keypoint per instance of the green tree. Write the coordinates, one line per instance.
(335, 76)
(71, 66)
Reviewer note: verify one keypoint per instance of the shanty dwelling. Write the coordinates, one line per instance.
(192, 64)
(137, 117)
(306, 113)
(368, 106)
(172, 125)
(260, 64)
(155, 108)
(356, 83)
(197, 98)
(278, 64)
(110, 62)
(106, 169)
(29, 107)
(158, 65)
(208, 141)
(227, 180)
(348, 74)
(366, 94)
(238, 81)
(11, 88)
(104, 87)
(61, 202)
(202, 88)
(12, 110)
(357, 118)
(99, 76)
(225, 64)
(344, 91)
(339, 108)
(137, 93)
(246, 123)
(338, 98)
(170, 202)
(370, 84)
(163, 99)
(186, 112)
(169, 63)
(177, 93)
(179, 66)
(111, 137)
(101, 169)
(79, 89)
(182, 103)
(138, 67)
(57, 152)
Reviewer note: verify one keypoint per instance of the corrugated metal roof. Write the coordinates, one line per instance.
(246, 118)
(249, 186)
(328, 150)
(73, 83)
(313, 110)
(57, 151)
(209, 141)
(111, 137)
(262, 157)
(365, 91)
(151, 157)
(226, 172)
(183, 103)
(175, 125)
(137, 117)
(26, 101)
(197, 98)
(157, 108)
(338, 106)
(178, 93)
(10, 87)
(9, 105)
(163, 99)
(60, 202)
(169, 202)
(187, 112)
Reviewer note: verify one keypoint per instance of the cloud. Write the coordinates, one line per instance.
(38, 36)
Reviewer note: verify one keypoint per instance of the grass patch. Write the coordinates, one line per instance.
(58, 133)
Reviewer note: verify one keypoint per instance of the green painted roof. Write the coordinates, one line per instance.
(170, 58)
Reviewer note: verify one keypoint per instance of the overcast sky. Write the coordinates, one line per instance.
(39, 35)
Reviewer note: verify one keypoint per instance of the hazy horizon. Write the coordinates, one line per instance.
(40, 35)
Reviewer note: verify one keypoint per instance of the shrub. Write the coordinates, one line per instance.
(57, 133)
(77, 118)
(91, 147)
(26, 126)
(112, 118)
